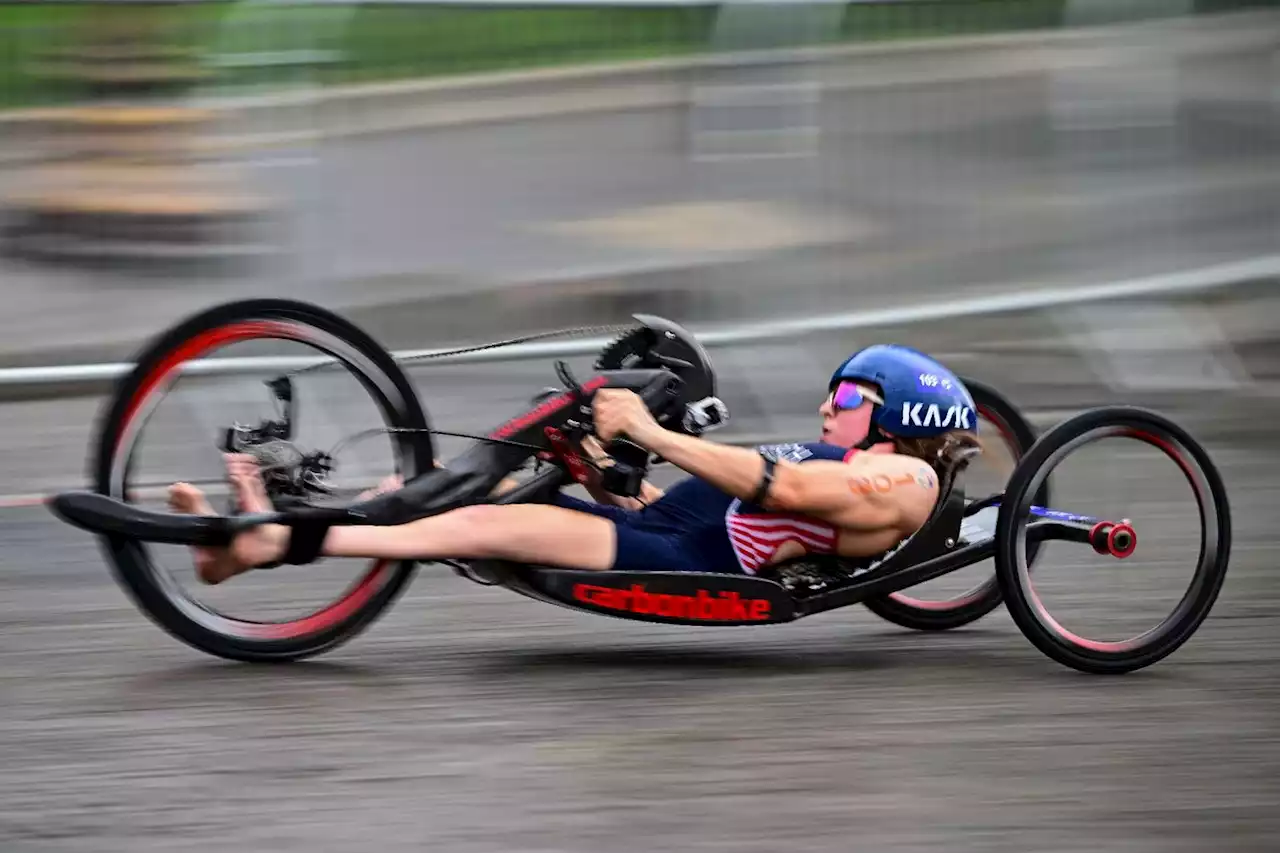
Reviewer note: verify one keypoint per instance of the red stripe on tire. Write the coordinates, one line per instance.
(197, 346)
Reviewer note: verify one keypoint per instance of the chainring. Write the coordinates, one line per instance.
(660, 344)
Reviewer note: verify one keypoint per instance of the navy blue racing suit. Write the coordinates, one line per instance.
(696, 527)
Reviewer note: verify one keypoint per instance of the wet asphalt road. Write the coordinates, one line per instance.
(470, 719)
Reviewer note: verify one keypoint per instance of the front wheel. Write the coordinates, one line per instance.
(263, 324)
(932, 614)
(1012, 569)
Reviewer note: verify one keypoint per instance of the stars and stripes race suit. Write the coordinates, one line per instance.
(695, 527)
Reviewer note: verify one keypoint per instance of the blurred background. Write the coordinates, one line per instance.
(1076, 201)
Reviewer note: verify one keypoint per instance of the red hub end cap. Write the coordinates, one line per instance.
(1122, 541)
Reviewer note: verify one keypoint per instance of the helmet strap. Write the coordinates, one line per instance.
(874, 436)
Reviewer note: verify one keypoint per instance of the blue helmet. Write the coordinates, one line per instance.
(921, 397)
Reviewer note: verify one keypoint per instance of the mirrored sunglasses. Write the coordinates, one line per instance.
(850, 395)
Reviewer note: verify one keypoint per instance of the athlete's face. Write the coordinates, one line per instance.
(846, 414)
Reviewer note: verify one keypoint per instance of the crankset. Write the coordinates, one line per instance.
(660, 344)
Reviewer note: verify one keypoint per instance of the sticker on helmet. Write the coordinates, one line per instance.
(934, 382)
(956, 417)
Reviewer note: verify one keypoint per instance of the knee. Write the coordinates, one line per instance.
(480, 527)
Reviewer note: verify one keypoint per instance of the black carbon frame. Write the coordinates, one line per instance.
(471, 476)
(892, 578)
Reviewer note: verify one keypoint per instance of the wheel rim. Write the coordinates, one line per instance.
(141, 406)
(1207, 507)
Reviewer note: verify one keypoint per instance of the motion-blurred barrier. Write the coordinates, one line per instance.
(281, 42)
(146, 106)
(122, 171)
(1219, 277)
(287, 72)
(261, 61)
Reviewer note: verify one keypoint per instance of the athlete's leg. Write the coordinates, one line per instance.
(216, 564)
(529, 533)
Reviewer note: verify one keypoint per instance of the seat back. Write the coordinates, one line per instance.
(941, 530)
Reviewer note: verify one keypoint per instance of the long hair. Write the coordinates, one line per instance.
(941, 452)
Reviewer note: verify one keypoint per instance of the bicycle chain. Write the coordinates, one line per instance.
(576, 331)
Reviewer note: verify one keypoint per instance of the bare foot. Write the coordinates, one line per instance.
(264, 544)
(213, 565)
(253, 548)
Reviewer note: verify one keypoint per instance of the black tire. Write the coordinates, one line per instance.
(158, 595)
(970, 606)
(1215, 549)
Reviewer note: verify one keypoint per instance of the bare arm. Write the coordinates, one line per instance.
(832, 491)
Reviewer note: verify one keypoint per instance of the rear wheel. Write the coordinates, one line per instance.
(135, 401)
(921, 613)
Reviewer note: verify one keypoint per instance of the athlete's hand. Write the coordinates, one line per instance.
(622, 414)
(593, 451)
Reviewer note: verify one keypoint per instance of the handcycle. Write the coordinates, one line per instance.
(671, 371)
